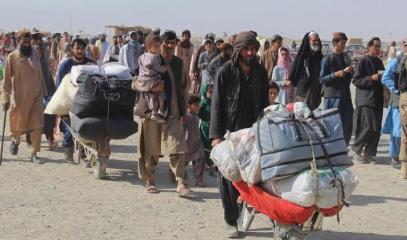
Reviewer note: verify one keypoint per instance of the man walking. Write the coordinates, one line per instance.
(239, 96)
(23, 91)
(367, 119)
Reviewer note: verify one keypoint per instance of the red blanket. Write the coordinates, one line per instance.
(278, 209)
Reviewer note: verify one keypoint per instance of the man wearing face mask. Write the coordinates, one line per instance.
(305, 71)
(78, 58)
(23, 92)
(130, 53)
(239, 96)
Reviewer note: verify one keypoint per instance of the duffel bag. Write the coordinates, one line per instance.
(286, 142)
(97, 128)
(96, 93)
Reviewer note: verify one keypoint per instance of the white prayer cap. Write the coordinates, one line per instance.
(312, 33)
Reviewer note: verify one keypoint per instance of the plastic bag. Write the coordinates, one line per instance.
(247, 156)
(62, 99)
(307, 190)
(81, 69)
(225, 159)
(119, 71)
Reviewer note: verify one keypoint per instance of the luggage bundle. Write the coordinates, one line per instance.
(62, 99)
(103, 105)
(298, 158)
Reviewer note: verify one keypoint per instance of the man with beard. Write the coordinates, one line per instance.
(130, 53)
(140, 37)
(367, 119)
(103, 47)
(113, 52)
(232, 39)
(225, 53)
(218, 42)
(305, 71)
(239, 96)
(120, 42)
(336, 75)
(158, 139)
(184, 50)
(269, 58)
(23, 92)
(78, 48)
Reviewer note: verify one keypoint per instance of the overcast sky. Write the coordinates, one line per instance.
(291, 18)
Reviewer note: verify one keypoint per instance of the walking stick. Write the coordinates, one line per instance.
(2, 136)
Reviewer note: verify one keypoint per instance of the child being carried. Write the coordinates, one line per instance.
(151, 69)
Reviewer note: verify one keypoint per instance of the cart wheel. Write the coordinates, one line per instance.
(285, 232)
(291, 235)
(100, 168)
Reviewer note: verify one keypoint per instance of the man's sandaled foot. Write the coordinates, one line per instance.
(151, 188)
(184, 191)
(37, 160)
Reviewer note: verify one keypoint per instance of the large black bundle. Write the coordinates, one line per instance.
(100, 95)
(97, 128)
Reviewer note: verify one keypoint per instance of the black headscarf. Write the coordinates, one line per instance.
(303, 53)
(243, 39)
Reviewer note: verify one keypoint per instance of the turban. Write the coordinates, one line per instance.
(243, 39)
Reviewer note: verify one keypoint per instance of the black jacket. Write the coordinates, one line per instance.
(213, 66)
(176, 66)
(225, 100)
(333, 86)
(369, 93)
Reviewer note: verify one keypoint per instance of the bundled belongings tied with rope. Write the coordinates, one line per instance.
(103, 104)
(62, 99)
(297, 158)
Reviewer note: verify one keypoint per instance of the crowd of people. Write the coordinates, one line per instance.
(195, 94)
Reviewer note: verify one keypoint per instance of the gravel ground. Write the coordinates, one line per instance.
(59, 200)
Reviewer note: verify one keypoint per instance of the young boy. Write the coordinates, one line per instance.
(273, 93)
(150, 72)
(205, 116)
(195, 152)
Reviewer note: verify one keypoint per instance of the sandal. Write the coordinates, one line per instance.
(184, 191)
(150, 188)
